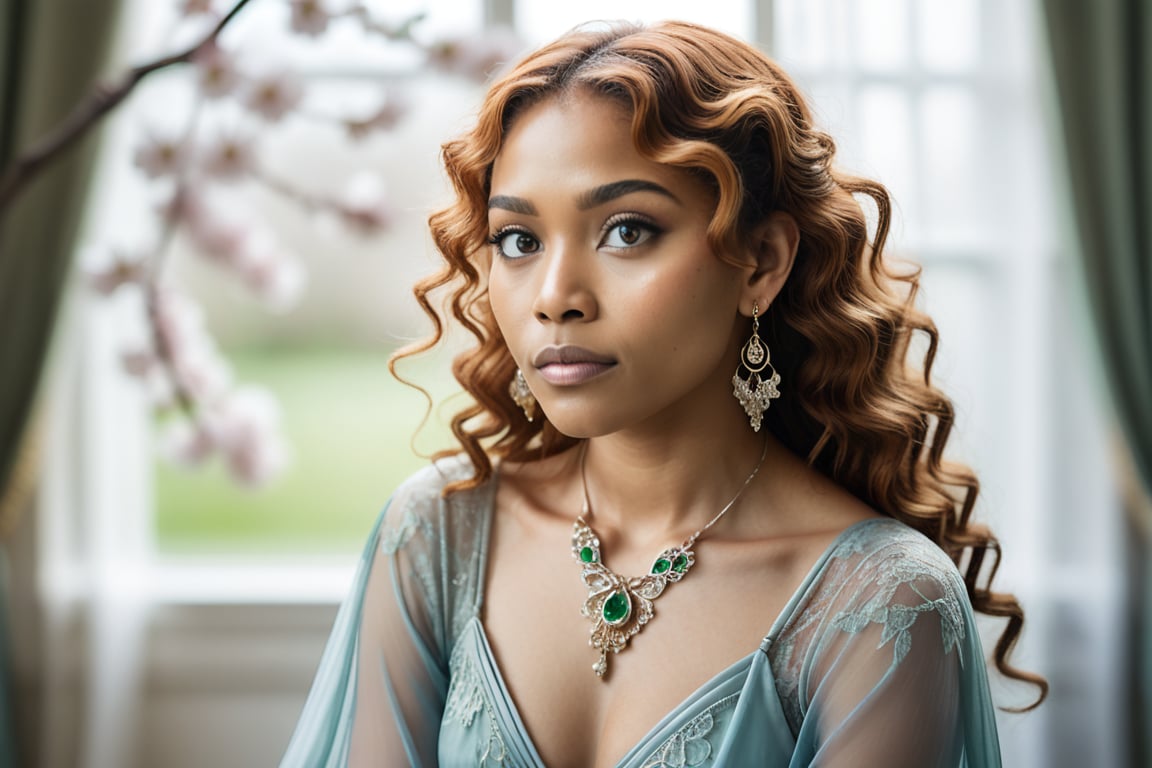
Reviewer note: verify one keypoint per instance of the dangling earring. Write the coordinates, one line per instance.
(756, 392)
(522, 396)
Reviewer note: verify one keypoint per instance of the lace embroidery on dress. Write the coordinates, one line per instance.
(896, 570)
(689, 747)
(864, 574)
(466, 570)
(394, 537)
(435, 545)
(466, 699)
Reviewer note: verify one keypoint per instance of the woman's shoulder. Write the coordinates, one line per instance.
(883, 571)
(886, 552)
(429, 481)
(421, 506)
(882, 535)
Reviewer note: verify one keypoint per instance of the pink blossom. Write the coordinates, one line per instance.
(222, 242)
(179, 320)
(186, 206)
(202, 372)
(187, 445)
(195, 7)
(218, 75)
(310, 17)
(190, 351)
(143, 364)
(364, 206)
(277, 279)
(366, 219)
(230, 158)
(122, 271)
(138, 363)
(476, 57)
(247, 429)
(256, 458)
(160, 157)
(221, 239)
(385, 118)
(273, 96)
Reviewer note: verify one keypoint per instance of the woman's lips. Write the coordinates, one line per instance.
(569, 365)
(567, 374)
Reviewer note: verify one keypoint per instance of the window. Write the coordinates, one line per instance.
(941, 102)
(347, 421)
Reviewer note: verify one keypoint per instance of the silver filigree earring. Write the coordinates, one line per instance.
(522, 396)
(756, 392)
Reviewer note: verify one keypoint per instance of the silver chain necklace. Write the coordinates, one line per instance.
(618, 607)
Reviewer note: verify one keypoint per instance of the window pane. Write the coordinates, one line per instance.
(809, 35)
(882, 34)
(959, 298)
(887, 147)
(347, 421)
(951, 166)
(349, 424)
(948, 35)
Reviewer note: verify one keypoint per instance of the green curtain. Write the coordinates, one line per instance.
(1101, 57)
(51, 52)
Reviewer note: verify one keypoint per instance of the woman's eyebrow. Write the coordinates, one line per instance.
(514, 204)
(606, 192)
(590, 199)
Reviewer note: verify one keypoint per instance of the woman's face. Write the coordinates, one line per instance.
(602, 279)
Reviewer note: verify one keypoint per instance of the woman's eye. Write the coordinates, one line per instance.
(515, 245)
(627, 234)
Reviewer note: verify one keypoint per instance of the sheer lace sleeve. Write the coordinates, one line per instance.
(379, 695)
(893, 673)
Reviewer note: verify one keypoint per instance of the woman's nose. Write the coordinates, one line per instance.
(565, 292)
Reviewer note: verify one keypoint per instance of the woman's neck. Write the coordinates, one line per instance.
(656, 486)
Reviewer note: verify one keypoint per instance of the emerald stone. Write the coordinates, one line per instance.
(617, 607)
(661, 566)
(680, 564)
(587, 555)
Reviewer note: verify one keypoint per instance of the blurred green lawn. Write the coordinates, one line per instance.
(350, 426)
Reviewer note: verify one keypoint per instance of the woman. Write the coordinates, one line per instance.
(701, 515)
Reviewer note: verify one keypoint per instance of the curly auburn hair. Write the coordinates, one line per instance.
(840, 329)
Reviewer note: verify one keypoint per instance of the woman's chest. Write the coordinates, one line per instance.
(542, 618)
(482, 726)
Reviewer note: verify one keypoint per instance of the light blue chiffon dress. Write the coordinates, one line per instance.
(875, 661)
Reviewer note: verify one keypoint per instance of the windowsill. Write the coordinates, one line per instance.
(207, 582)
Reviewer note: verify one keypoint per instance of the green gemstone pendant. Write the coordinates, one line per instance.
(617, 608)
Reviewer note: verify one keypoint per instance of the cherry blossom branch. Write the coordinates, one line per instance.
(102, 100)
(185, 399)
(204, 411)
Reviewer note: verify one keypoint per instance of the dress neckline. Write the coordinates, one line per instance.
(704, 691)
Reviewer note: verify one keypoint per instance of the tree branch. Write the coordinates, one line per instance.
(85, 115)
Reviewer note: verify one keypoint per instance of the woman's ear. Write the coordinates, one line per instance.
(772, 247)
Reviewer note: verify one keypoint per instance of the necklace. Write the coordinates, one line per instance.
(619, 607)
